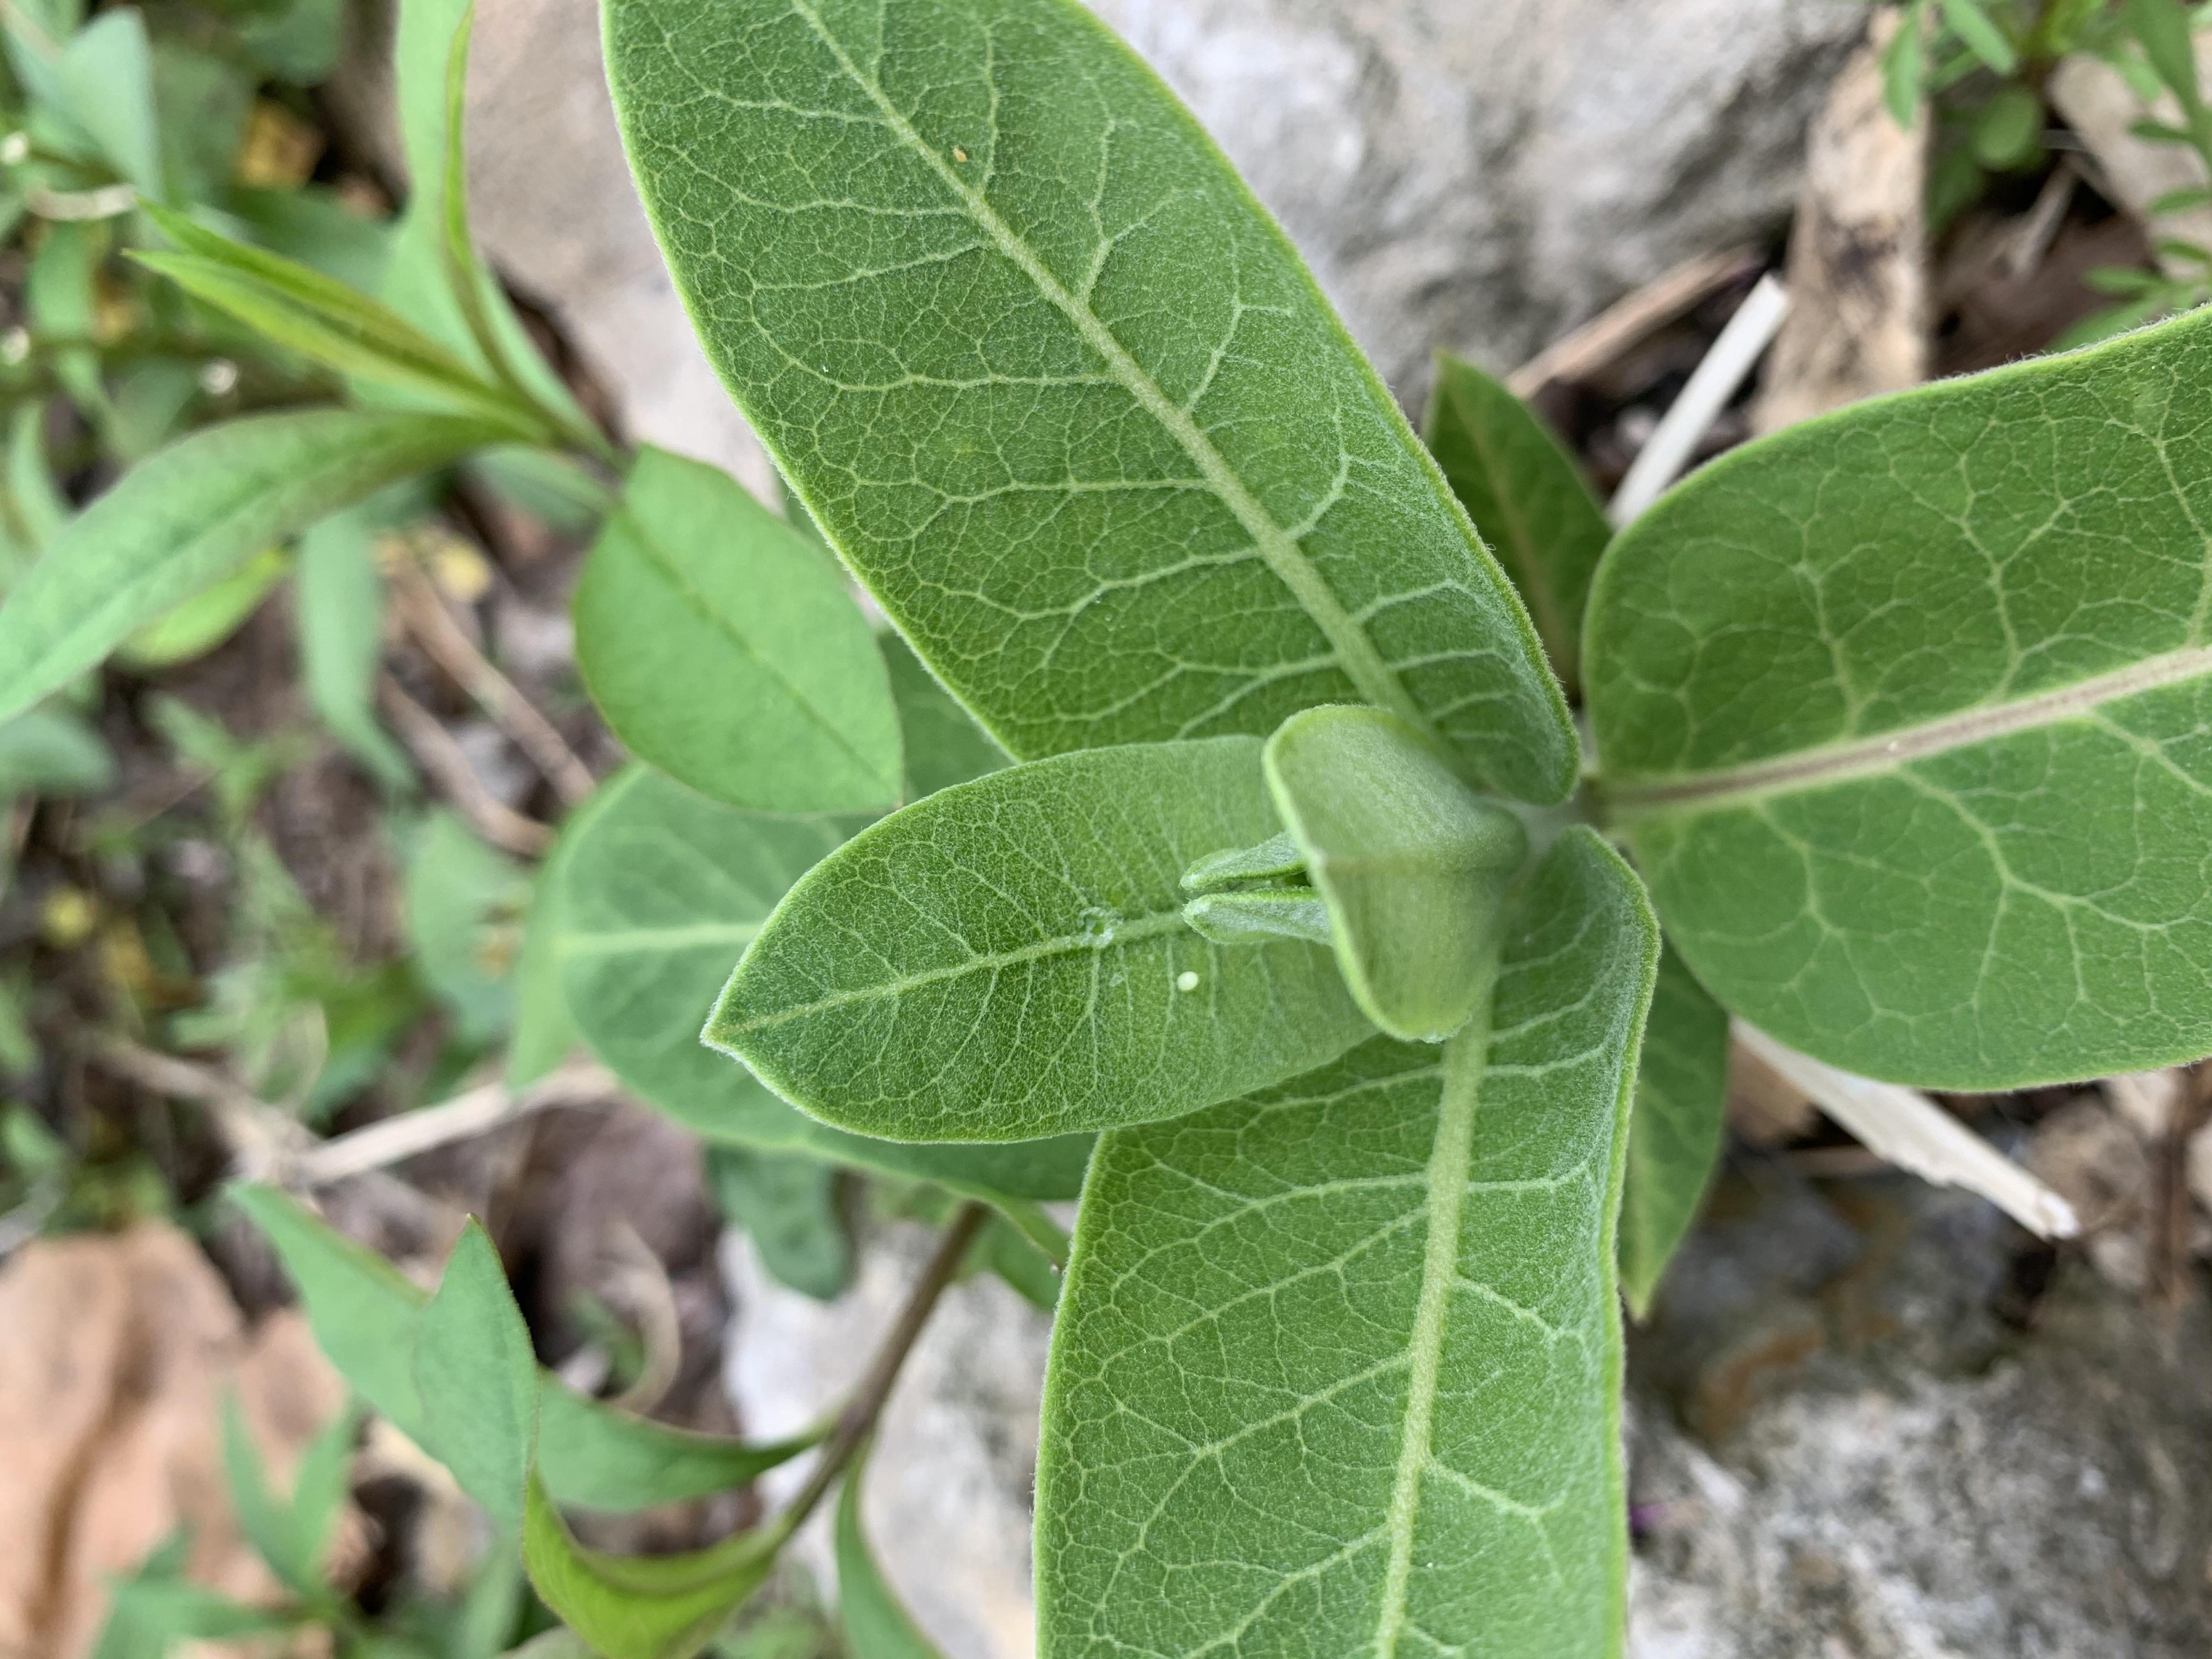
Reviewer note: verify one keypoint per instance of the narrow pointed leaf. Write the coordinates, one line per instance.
(1008, 958)
(781, 704)
(877, 1624)
(1674, 1138)
(930, 251)
(364, 1315)
(193, 513)
(1527, 496)
(666, 890)
(1337, 1366)
(339, 600)
(1903, 711)
(656, 1607)
(1411, 864)
(478, 1379)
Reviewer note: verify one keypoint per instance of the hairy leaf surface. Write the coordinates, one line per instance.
(1681, 1099)
(191, 514)
(1905, 712)
(1057, 386)
(723, 649)
(1008, 958)
(1526, 497)
(478, 1379)
(663, 891)
(1337, 1365)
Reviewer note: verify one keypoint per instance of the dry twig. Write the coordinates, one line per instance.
(1597, 342)
(436, 753)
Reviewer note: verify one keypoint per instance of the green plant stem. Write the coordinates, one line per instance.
(858, 1419)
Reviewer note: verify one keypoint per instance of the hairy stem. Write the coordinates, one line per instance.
(858, 1420)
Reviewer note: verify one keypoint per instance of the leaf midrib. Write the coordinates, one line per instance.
(697, 601)
(1450, 1159)
(1355, 653)
(1888, 751)
(1128, 932)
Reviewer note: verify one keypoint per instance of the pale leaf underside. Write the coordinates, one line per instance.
(1337, 1366)
(1055, 385)
(1908, 714)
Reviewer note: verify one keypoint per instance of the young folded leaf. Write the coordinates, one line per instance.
(929, 251)
(662, 889)
(322, 319)
(1902, 710)
(641, 1607)
(877, 1625)
(1412, 866)
(191, 514)
(477, 1379)
(1008, 958)
(725, 652)
(364, 1315)
(1527, 496)
(1337, 1366)
(1674, 1137)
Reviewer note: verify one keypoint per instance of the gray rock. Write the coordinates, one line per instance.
(1480, 175)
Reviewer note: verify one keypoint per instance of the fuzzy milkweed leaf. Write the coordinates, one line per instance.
(664, 890)
(782, 704)
(1903, 711)
(1337, 1365)
(927, 248)
(1008, 958)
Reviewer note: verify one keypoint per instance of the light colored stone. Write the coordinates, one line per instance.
(946, 1500)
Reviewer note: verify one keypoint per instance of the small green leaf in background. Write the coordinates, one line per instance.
(786, 1204)
(546, 1032)
(364, 1313)
(104, 75)
(875, 1623)
(658, 1607)
(37, 508)
(1337, 1367)
(292, 1535)
(464, 906)
(1008, 958)
(944, 744)
(1981, 35)
(324, 320)
(1413, 865)
(1902, 711)
(338, 598)
(477, 1378)
(60, 295)
(1905, 66)
(207, 618)
(51, 751)
(193, 513)
(156, 1608)
(663, 890)
(930, 264)
(1528, 498)
(1674, 1134)
(780, 703)
(2162, 29)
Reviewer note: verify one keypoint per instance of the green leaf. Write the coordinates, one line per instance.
(207, 618)
(781, 703)
(1904, 68)
(943, 745)
(51, 751)
(105, 76)
(1527, 496)
(1337, 1367)
(1412, 866)
(2161, 27)
(658, 1606)
(324, 320)
(265, 1522)
(192, 514)
(1674, 1137)
(1008, 958)
(477, 1378)
(44, 512)
(1902, 711)
(2008, 132)
(931, 252)
(1979, 34)
(788, 1205)
(544, 1031)
(61, 294)
(338, 598)
(364, 1313)
(665, 890)
(877, 1625)
(319, 228)
(465, 904)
